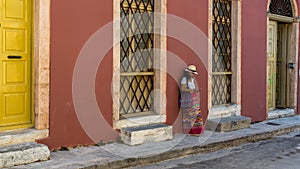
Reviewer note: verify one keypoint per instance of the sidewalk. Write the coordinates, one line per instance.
(117, 155)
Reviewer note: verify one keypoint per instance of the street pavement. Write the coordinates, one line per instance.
(118, 155)
(281, 152)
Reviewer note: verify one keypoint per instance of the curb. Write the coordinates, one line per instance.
(131, 162)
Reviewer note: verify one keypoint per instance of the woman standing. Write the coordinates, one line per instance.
(190, 102)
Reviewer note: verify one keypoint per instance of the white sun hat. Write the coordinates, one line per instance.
(191, 68)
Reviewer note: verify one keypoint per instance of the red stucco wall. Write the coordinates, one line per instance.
(254, 29)
(72, 23)
(195, 12)
(254, 50)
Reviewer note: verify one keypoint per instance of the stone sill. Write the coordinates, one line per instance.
(224, 111)
(140, 121)
(22, 136)
(280, 113)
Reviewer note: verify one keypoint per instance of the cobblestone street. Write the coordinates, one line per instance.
(277, 153)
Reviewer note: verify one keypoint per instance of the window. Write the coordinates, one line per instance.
(139, 70)
(221, 55)
(136, 56)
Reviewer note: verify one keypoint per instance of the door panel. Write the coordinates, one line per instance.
(271, 66)
(15, 63)
(18, 5)
(281, 72)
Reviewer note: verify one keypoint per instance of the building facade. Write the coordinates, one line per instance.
(82, 71)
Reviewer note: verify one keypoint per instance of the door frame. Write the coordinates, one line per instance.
(273, 65)
(293, 52)
(41, 64)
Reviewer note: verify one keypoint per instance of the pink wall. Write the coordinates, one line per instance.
(72, 24)
(254, 50)
(254, 28)
(196, 13)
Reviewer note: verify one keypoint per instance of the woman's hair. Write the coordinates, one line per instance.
(186, 74)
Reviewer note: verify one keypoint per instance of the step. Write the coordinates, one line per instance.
(280, 113)
(149, 133)
(226, 124)
(24, 153)
(21, 136)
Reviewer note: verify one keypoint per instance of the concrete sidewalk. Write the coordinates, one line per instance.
(117, 155)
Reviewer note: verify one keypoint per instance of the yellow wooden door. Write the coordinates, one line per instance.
(15, 64)
(271, 67)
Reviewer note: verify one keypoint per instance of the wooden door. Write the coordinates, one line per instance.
(271, 65)
(15, 64)
(281, 70)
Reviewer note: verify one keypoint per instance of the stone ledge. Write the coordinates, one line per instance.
(21, 136)
(140, 121)
(150, 133)
(280, 113)
(224, 111)
(226, 124)
(25, 153)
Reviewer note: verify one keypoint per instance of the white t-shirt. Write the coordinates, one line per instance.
(190, 84)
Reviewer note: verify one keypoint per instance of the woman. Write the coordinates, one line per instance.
(190, 102)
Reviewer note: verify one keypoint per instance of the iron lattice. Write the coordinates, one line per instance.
(221, 60)
(281, 7)
(136, 56)
(221, 89)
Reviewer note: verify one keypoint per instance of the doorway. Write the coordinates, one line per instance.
(16, 64)
(278, 83)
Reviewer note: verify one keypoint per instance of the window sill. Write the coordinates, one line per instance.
(140, 121)
(224, 111)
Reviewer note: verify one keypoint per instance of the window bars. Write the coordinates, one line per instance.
(281, 7)
(221, 59)
(136, 56)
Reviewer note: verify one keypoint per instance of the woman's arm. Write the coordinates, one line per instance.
(184, 88)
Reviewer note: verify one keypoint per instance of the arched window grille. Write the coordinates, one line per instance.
(281, 7)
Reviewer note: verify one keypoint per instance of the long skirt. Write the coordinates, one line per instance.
(191, 114)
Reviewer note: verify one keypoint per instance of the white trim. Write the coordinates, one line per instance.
(160, 63)
(236, 52)
(281, 18)
(235, 61)
(41, 63)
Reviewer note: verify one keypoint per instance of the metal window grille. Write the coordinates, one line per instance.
(221, 59)
(281, 7)
(136, 56)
